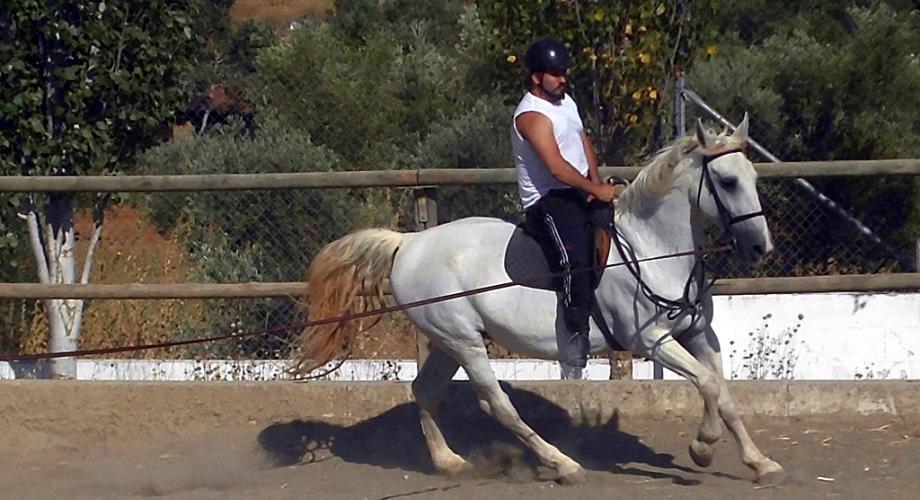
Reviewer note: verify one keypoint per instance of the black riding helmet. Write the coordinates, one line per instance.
(547, 54)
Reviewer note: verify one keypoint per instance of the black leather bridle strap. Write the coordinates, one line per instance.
(727, 217)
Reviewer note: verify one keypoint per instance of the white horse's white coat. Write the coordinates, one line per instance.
(659, 215)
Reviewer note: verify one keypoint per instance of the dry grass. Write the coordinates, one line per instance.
(133, 251)
(130, 251)
(278, 13)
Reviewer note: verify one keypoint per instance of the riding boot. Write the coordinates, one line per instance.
(574, 351)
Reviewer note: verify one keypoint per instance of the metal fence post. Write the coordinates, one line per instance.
(680, 106)
(426, 216)
(917, 255)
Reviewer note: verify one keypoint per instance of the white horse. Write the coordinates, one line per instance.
(663, 311)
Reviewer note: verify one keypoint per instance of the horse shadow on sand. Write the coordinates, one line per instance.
(393, 439)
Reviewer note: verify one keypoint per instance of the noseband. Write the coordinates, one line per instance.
(725, 215)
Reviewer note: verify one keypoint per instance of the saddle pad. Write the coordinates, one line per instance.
(525, 261)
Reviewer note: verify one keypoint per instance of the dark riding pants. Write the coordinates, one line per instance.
(564, 217)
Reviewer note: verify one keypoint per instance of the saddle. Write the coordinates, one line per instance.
(528, 262)
(527, 256)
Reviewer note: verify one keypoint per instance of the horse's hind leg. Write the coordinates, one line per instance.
(705, 349)
(429, 388)
(496, 403)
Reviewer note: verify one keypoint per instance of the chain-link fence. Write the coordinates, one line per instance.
(299, 98)
(821, 82)
(210, 237)
(272, 235)
(816, 234)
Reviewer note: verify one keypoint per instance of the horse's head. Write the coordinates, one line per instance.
(726, 190)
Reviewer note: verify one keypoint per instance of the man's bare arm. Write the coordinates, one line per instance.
(593, 173)
(538, 130)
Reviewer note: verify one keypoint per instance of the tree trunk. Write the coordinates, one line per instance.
(54, 248)
(60, 248)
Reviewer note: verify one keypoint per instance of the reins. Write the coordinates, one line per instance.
(673, 308)
(364, 314)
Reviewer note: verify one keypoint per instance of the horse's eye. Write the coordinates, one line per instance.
(728, 183)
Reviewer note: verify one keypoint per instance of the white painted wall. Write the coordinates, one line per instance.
(832, 336)
(835, 336)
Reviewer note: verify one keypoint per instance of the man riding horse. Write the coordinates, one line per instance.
(557, 179)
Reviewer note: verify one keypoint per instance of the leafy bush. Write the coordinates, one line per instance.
(836, 83)
(258, 236)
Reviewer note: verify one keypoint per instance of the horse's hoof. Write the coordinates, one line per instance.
(701, 453)
(773, 474)
(572, 476)
(454, 466)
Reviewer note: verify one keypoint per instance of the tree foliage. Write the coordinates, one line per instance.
(625, 57)
(86, 84)
(389, 85)
(834, 81)
(374, 81)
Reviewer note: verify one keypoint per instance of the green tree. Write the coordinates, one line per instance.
(86, 84)
(395, 84)
(375, 79)
(625, 57)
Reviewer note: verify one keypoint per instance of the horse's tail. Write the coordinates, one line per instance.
(347, 276)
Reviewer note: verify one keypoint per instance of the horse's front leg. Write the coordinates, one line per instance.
(667, 351)
(705, 348)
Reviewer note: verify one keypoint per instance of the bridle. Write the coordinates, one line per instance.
(673, 308)
(725, 215)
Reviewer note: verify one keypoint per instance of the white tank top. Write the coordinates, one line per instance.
(534, 179)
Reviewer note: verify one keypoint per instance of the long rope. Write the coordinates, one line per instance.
(374, 312)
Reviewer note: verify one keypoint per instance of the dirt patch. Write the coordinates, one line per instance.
(385, 457)
(278, 13)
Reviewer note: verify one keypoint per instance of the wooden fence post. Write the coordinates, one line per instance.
(426, 216)
(620, 365)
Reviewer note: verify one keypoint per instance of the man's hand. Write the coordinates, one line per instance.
(604, 192)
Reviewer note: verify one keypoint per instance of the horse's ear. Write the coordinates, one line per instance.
(701, 136)
(741, 132)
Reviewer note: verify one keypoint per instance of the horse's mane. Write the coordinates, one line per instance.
(657, 176)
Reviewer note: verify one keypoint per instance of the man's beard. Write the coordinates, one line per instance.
(555, 96)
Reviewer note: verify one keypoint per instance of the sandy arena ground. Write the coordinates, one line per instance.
(385, 457)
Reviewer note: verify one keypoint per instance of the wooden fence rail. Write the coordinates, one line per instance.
(401, 178)
(739, 286)
(413, 178)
